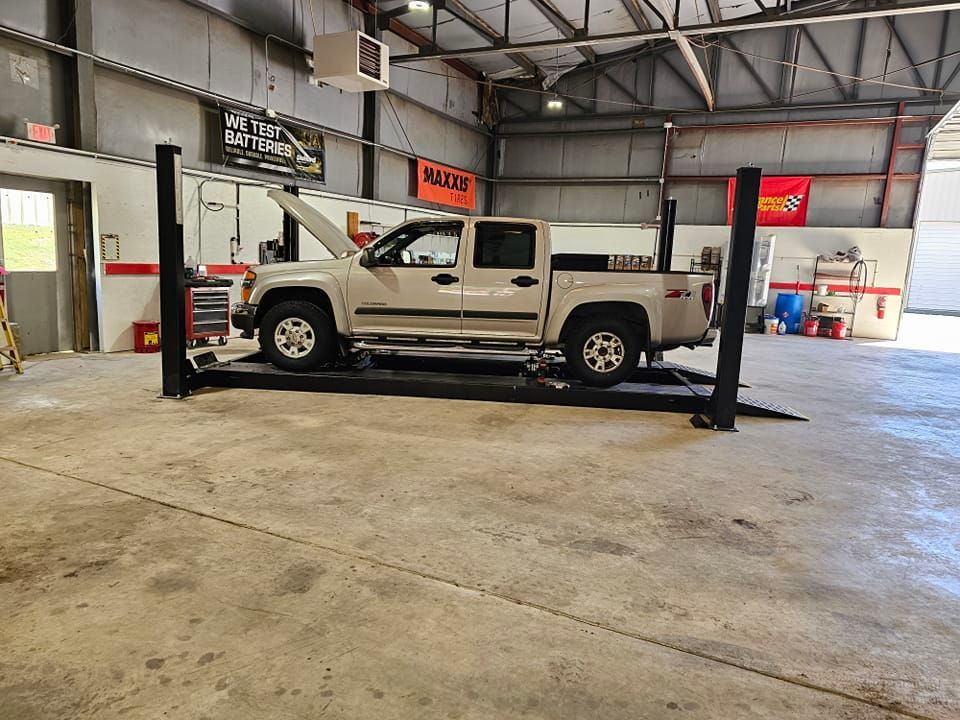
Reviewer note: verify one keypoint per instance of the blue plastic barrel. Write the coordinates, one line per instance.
(790, 310)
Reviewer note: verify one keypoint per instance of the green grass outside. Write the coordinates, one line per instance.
(29, 247)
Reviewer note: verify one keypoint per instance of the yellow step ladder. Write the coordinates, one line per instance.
(8, 343)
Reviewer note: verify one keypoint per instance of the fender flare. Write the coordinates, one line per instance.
(290, 283)
(646, 298)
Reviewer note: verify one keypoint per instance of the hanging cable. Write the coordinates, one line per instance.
(400, 124)
(809, 68)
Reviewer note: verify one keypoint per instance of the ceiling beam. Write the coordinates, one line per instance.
(566, 28)
(488, 33)
(861, 44)
(754, 22)
(887, 104)
(713, 9)
(688, 54)
(917, 76)
(751, 70)
(636, 14)
(622, 88)
(791, 54)
(826, 65)
(679, 75)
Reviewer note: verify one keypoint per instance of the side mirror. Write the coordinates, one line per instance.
(366, 257)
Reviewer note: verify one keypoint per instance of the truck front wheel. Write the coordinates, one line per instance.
(298, 336)
(602, 352)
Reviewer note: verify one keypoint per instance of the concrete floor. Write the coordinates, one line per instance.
(253, 554)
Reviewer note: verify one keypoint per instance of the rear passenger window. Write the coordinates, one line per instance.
(504, 245)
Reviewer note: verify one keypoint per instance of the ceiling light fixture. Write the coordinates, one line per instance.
(555, 103)
(418, 5)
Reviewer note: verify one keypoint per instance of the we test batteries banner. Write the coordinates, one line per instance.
(783, 200)
(263, 142)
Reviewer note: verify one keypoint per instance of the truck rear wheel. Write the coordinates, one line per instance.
(602, 352)
(298, 336)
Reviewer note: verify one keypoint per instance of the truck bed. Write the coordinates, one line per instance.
(601, 262)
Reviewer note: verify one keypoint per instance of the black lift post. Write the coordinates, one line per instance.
(291, 231)
(668, 225)
(721, 411)
(173, 334)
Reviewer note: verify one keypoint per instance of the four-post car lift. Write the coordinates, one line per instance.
(713, 400)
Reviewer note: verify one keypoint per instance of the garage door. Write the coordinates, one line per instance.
(935, 283)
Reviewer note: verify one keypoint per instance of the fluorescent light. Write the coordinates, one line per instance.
(418, 5)
(554, 103)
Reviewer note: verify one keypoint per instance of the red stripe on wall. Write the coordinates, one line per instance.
(807, 287)
(122, 268)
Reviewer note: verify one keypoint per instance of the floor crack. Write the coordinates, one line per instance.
(893, 707)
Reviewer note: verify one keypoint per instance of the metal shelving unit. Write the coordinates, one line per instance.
(857, 280)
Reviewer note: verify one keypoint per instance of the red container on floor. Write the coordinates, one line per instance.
(839, 330)
(811, 328)
(146, 336)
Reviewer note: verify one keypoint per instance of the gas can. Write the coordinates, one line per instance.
(811, 327)
(146, 336)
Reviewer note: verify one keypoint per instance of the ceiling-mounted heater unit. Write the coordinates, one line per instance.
(351, 61)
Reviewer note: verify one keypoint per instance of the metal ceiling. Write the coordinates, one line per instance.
(555, 36)
(535, 42)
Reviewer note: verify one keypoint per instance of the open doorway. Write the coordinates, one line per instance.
(35, 250)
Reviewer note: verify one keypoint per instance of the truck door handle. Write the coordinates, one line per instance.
(445, 279)
(525, 281)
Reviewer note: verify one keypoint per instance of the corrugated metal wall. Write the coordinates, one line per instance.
(222, 51)
(751, 85)
(713, 153)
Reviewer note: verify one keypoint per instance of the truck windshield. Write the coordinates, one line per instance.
(434, 244)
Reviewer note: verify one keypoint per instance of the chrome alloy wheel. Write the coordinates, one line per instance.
(603, 352)
(294, 337)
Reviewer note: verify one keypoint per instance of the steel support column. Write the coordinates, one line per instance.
(173, 335)
(291, 231)
(891, 167)
(370, 153)
(722, 408)
(84, 78)
(668, 226)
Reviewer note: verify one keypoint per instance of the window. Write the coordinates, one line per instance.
(504, 245)
(430, 244)
(29, 235)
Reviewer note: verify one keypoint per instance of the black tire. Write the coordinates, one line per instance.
(309, 325)
(585, 356)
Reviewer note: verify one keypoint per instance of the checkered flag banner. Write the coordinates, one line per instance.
(793, 202)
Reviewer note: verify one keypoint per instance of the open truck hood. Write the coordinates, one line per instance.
(315, 222)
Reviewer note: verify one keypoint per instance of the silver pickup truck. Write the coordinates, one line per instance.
(468, 284)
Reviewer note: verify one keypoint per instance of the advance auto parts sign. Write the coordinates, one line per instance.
(783, 200)
(446, 185)
(257, 141)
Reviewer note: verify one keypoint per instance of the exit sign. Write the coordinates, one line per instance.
(42, 133)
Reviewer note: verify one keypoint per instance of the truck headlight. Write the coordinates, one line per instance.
(246, 287)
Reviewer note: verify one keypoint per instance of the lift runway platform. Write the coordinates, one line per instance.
(664, 387)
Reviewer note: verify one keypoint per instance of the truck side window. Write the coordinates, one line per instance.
(432, 244)
(504, 245)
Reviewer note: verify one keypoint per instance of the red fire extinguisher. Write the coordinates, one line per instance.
(881, 306)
